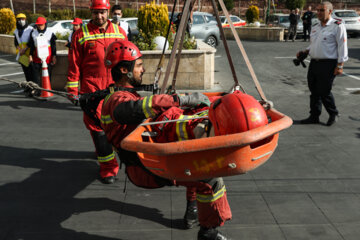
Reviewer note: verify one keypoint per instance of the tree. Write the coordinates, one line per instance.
(229, 4)
(293, 4)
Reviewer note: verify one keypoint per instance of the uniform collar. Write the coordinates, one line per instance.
(330, 21)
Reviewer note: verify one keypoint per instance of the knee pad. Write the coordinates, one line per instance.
(103, 147)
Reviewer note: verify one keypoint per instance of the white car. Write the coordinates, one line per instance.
(237, 22)
(350, 18)
(60, 26)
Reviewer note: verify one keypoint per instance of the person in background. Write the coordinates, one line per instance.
(308, 15)
(328, 50)
(87, 73)
(21, 40)
(294, 18)
(77, 24)
(116, 18)
(41, 28)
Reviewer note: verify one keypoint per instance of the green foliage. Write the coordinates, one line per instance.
(83, 13)
(229, 4)
(61, 14)
(153, 18)
(293, 4)
(32, 17)
(60, 36)
(129, 12)
(252, 14)
(7, 21)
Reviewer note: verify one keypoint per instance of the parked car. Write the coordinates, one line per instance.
(132, 21)
(205, 28)
(235, 20)
(282, 20)
(350, 18)
(60, 26)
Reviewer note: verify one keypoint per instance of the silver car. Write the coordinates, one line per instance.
(205, 28)
(350, 18)
(282, 20)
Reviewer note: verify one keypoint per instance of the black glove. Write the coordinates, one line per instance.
(194, 100)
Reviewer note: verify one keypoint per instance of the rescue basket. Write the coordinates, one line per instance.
(210, 157)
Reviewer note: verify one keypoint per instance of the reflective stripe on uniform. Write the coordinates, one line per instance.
(147, 107)
(106, 119)
(72, 84)
(87, 36)
(107, 98)
(181, 127)
(211, 198)
(106, 158)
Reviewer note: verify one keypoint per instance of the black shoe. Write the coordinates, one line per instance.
(191, 215)
(210, 234)
(332, 119)
(108, 180)
(310, 120)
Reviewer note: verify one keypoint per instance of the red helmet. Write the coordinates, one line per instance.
(40, 20)
(77, 21)
(235, 113)
(121, 51)
(100, 4)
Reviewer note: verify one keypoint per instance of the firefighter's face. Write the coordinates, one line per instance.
(99, 17)
(323, 13)
(76, 27)
(138, 72)
(41, 26)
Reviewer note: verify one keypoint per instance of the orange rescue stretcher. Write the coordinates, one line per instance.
(210, 157)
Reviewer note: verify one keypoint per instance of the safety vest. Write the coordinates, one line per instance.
(48, 34)
(24, 39)
(88, 36)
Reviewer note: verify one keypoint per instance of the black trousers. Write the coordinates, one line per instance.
(306, 31)
(37, 73)
(27, 72)
(320, 80)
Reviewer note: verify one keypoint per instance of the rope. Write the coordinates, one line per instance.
(34, 86)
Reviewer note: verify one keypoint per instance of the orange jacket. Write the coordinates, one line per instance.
(86, 60)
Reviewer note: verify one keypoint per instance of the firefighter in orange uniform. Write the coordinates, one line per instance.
(124, 109)
(88, 72)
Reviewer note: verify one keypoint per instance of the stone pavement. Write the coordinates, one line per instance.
(309, 189)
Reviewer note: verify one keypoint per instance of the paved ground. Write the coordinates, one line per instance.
(309, 189)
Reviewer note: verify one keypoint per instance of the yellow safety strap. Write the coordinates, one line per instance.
(211, 198)
(106, 158)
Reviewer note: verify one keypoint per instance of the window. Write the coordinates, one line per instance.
(198, 19)
(66, 25)
(235, 19)
(132, 24)
(222, 19)
(51, 24)
(346, 14)
(209, 18)
(284, 19)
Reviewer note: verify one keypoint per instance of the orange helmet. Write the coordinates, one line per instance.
(77, 21)
(121, 51)
(100, 4)
(235, 113)
(40, 20)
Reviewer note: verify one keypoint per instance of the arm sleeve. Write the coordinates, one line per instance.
(31, 44)
(75, 59)
(15, 41)
(341, 39)
(53, 44)
(134, 112)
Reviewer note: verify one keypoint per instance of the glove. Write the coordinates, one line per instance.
(194, 100)
(73, 99)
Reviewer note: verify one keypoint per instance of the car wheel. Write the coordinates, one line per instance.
(211, 40)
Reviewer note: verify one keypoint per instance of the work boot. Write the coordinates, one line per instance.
(210, 234)
(108, 180)
(332, 119)
(191, 215)
(310, 120)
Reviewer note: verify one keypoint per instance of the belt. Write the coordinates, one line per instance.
(323, 60)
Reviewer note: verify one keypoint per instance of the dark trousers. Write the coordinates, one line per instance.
(320, 80)
(27, 72)
(37, 73)
(306, 31)
(292, 32)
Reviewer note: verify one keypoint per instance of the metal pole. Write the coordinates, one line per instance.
(74, 8)
(11, 5)
(49, 6)
(34, 6)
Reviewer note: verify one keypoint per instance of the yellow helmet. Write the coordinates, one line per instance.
(21, 15)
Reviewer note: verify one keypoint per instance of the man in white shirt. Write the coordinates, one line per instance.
(328, 51)
(116, 18)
